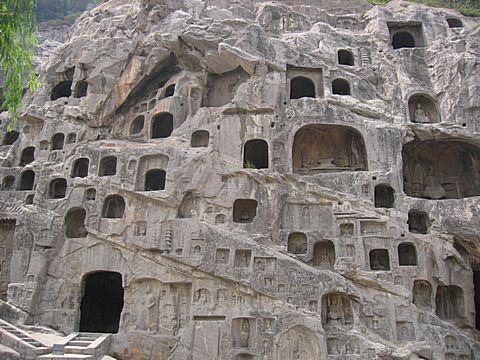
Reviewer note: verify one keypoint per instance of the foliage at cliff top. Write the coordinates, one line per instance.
(17, 42)
(61, 10)
(465, 7)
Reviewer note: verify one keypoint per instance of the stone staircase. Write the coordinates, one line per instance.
(88, 346)
(19, 340)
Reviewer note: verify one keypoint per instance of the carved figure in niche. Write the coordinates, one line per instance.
(420, 115)
(313, 305)
(152, 310)
(245, 333)
(433, 189)
(323, 254)
(268, 322)
(297, 343)
(336, 310)
(346, 230)
(202, 296)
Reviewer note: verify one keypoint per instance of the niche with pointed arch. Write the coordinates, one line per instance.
(328, 148)
(423, 109)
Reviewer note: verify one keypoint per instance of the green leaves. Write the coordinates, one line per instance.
(17, 43)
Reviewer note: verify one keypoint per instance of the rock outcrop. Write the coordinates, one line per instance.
(221, 179)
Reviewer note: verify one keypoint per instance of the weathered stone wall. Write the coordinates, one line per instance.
(229, 186)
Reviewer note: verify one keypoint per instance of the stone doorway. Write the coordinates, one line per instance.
(102, 302)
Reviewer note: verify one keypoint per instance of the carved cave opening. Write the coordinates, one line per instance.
(27, 179)
(345, 57)
(403, 39)
(407, 254)
(223, 87)
(418, 222)
(336, 310)
(10, 137)
(445, 169)
(323, 255)
(57, 189)
(137, 125)
(8, 183)
(423, 109)
(28, 156)
(379, 260)
(422, 294)
(162, 125)
(384, 196)
(297, 243)
(75, 223)
(62, 90)
(244, 210)
(155, 180)
(255, 154)
(71, 138)
(113, 207)
(301, 87)
(322, 148)
(341, 87)
(80, 168)
(406, 34)
(90, 194)
(57, 141)
(7, 234)
(102, 302)
(449, 302)
(200, 138)
(169, 91)
(81, 89)
(454, 23)
(108, 166)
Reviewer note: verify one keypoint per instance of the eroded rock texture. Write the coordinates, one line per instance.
(220, 179)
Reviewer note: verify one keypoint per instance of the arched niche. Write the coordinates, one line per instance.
(336, 310)
(422, 294)
(102, 302)
(407, 254)
(200, 138)
(62, 90)
(441, 169)
(323, 255)
(155, 180)
(255, 154)
(27, 180)
(403, 39)
(108, 166)
(162, 125)
(57, 188)
(326, 148)
(301, 87)
(155, 163)
(137, 125)
(113, 207)
(90, 194)
(345, 57)
(75, 223)
(80, 168)
(27, 156)
(297, 243)
(423, 109)
(298, 342)
(384, 196)
(341, 87)
(57, 141)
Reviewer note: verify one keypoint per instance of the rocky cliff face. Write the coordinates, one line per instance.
(220, 179)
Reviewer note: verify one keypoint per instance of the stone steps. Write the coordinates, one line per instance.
(81, 346)
(19, 340)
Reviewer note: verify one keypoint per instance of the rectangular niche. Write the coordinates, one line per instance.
(304, 82)
(242, 258)
(406, 34)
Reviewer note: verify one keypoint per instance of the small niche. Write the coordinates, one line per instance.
(28, 156)
(71, 138)
(379, 259)
(297, 243)
(302, 87)
(422, 294)
(81, 89)
(454, 23)
(10, 137)
(57, 188)
(255, 154)
(200, 138)
(113, 207)
(407, 254)
(323, 255)
(108, 166)
(418, 222)
(8, 183)
(423, 109)
(345, 57)
(62, 90)
(57, 141)
(90, 194)
(75, 223)
(169, 91)
(137, 125)
(162, 125)
(27, 179)
(449, 302)
(155, 180)
(80, 168)
(341, 87)
(244, 210)
(243, 333)
(384, 196)
(406, 35)
(242, 258)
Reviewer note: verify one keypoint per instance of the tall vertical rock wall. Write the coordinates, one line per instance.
(219, 179)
